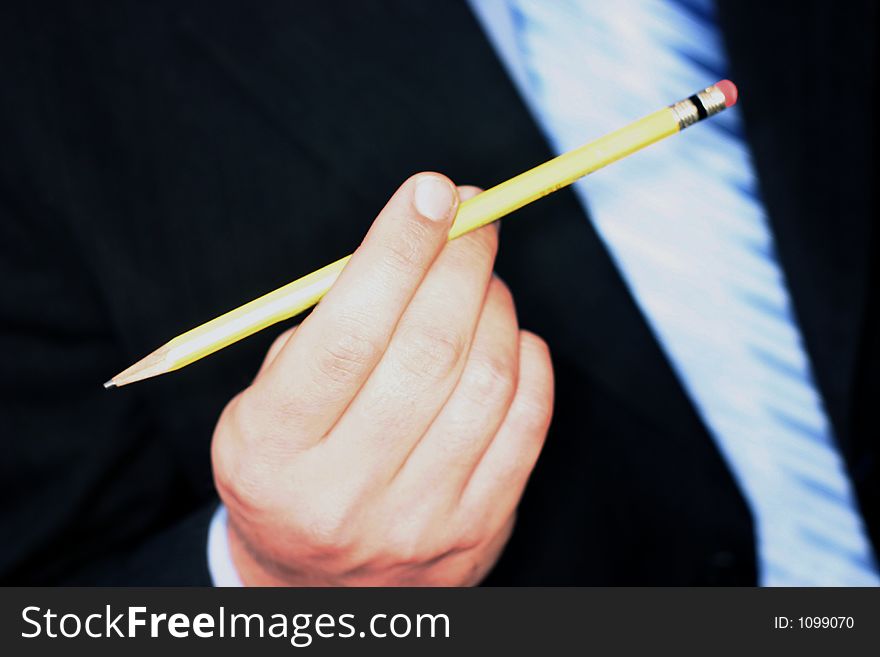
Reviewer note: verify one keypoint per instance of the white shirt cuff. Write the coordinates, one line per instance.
(220, 565)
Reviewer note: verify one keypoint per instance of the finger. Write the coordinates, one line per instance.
(466, 192)
(316, 375)
(425, 357)
(275, 349)
(447, 455)
(499, 479)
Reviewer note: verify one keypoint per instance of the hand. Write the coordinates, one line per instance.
(388, 438)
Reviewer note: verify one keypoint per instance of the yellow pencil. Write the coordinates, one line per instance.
(489, 206)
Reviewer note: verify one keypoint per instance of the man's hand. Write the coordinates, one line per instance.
(387, 439)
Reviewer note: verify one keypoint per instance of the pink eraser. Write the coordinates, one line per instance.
(728, 88)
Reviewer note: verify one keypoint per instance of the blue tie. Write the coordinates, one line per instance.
(685, 224)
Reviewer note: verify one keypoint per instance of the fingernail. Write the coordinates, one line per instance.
(434, 198)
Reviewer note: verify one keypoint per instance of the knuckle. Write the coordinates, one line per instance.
(328, 530)
(499, 289)
(247, 491)
(240, 481)
(349, 355)
(280, 341)
(471, 537)
(225, 446)
(480, 245)
(275, 350)
(404, 254)
(491, 379)
(403, 549)
(266, 418)
(432, 352)
(535, 345)
(249, 415)
(537, 397)
(405, 545)
(222, 464)
(535, 410)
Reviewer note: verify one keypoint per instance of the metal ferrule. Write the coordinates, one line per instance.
(701, 105)
(685, 113)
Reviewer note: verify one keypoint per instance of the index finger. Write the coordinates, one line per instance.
(320, 370)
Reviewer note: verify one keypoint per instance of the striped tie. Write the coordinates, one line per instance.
(685, 224)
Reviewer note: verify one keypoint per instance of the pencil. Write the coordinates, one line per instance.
(486, 207)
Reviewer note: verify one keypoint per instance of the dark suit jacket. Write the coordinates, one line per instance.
(162, 162)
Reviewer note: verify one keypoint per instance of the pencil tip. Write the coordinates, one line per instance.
(109, 385)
